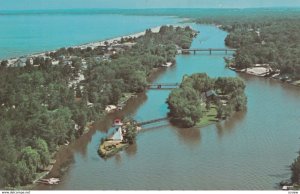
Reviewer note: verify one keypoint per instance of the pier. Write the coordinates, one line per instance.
(152, 121)
(210, 50)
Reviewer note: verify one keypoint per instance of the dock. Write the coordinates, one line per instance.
(152, 121)
(50, 181)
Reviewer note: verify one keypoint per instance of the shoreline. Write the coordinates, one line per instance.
(295, 83)
(93, 44)
(91, 125)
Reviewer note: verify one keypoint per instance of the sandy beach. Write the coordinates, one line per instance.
(93, 45)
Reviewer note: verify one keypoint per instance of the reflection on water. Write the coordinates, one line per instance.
(227, 126)
(118, 159)
(167, 157)
(131, 150)
(189, 136)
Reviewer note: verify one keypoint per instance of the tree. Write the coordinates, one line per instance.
(78, 91)
(28, 62)
(295, 167)
(4, 63)
(130, 134)
(42, 148)
(220, 111)
(19, 174)
(31, 158)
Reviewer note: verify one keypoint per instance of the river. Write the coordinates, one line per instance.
(251, 150)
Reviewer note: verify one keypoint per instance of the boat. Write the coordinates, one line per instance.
(50, 181)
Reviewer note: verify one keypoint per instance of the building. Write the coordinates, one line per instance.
(21, 62)
(118, 135)
(110, 108)
(209, 95)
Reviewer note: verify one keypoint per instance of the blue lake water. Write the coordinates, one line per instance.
(22, 34)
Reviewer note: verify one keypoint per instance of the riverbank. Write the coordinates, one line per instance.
(268, 73)
(124, 96)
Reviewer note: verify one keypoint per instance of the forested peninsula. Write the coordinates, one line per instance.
(201, 100)
(266, 46)
(47, 101)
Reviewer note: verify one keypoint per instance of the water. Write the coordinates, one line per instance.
(251, 150)
(22, 34)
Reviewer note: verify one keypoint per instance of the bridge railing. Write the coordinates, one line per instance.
(210, 50)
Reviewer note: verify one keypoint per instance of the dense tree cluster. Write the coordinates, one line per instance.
(40, 109)
(128, 71)
(197, 92)
(264, 39)
(295, 167)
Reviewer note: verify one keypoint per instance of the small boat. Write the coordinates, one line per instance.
(50, 181)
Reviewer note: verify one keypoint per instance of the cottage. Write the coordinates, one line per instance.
(102, 48)
(110, 108)
(21, 62)
(55, 62)
(210, 94)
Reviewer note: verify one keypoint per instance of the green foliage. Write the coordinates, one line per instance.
(31, 158)
(295, 167)
(185, 106)
(130, 134)
(42, 148)
(267, 39)
(197, 92)
(41, 103)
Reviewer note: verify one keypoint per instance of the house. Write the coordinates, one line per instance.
(55, 62)
(209, 95)
(168, 64)
(110, 108)
(118, 135)
(102, 48)
(21, 62)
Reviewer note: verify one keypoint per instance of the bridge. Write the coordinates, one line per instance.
(165, 86)
(152, 121)
(210, 50)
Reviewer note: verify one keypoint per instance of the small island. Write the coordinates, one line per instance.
(56, 95)
(124, 135)
(201, 100)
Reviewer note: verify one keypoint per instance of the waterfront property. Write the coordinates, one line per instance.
(123, 136)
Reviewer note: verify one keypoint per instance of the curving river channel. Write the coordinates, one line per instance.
(251, 150)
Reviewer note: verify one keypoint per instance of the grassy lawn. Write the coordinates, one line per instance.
(209, 117)
(125, 97)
